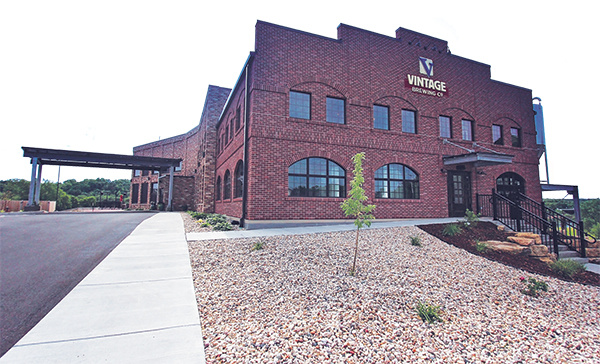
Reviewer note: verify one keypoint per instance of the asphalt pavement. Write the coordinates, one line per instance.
(44, 256)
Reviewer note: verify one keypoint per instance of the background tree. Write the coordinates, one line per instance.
(355, 205)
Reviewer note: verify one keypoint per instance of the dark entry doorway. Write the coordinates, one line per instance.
(459, 193)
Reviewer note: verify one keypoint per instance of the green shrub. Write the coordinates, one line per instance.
(198, 215)
(534, 287)
(415, 241)
(429, 313)
(257, 246)
(567, 267)
(471, 219)
(215, 219)
(222, 226)
(482, 247)
(451, 230)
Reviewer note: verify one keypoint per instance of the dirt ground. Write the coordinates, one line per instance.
(488, 231)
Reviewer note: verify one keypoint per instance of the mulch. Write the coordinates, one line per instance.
(488, 231)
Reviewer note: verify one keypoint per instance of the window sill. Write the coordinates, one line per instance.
(316, 199)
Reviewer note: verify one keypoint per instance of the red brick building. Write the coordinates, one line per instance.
(436, 130)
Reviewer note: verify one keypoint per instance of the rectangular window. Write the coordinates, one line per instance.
(467, 130)
(144, 193)
(497, 135)
(381, 118)
(299, 105)
(137, 173)
(178, 168)
(135, 193)
(445, 127)
(335, 110)
(145, 173)
(515, 137)
(409, 124)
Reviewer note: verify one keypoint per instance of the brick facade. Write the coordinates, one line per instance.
(363, 69)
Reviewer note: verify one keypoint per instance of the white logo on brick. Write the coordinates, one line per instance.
(426, 66)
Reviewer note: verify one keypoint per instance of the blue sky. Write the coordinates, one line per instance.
(105, 76)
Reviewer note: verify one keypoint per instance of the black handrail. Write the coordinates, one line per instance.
(563, 221)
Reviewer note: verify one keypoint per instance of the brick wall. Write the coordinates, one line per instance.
(365, 69)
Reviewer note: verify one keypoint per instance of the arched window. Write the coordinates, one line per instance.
(218, 189)
(238, 190)
(316, 177)
(227, 186)
(396, 181)
(510, 184)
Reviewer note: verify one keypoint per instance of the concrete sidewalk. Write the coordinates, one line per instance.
(315, 229)
(138, 305)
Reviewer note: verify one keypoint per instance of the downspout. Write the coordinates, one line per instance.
(245, 157)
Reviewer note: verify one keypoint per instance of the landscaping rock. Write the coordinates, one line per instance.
(521, 240)
(538, 251)
(592, 252)
(536, 237)
(507, 247)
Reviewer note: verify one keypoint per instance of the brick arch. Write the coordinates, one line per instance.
(339, 88)
(296, 156)
(394, 96)
(505, 117)
(449, 110)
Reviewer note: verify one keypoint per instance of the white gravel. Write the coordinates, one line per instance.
(294, 302)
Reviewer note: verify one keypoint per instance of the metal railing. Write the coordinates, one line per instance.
(527, 215)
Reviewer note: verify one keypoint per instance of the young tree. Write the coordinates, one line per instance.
(355, 205)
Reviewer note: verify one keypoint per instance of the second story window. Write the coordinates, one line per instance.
(445, 127)
(467, 130)
(497, 135)
(335, 110)
(409, 124)
(299, 105)
(381, 118)
(515, 137)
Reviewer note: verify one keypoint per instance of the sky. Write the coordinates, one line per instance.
(105, 76)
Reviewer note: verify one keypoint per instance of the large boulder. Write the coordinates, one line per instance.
(521, 240)
(507, 247)
(538, 251)
(535, 237)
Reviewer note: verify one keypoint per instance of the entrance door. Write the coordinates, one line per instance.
(459, 193)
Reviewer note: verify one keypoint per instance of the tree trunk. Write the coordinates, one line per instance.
(355, 253)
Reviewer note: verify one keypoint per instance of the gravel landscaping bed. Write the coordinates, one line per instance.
(293, 301)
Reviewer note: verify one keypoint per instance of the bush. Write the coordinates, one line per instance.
(451, 230)
(198, 215)
(429, 313)
(415, 241)
(471, 219)
(222, 226)
(215, 219)
(567, 267)
(534, 287)
(482, 247)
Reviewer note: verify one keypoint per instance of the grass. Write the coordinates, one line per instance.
(567, 267)
(415, 241)
(429, 313)
(257, 246)
(482, 247)
(451, 230)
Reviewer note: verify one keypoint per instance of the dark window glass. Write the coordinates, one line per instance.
(239, 180)
(497, 135)
(445, 127)
(402, 183)
(381, 118)
(226, 135)
(515, 137)
(409, 124)
(145, 173)
(135, 193)
(144, 193)
(227, 185)
(467, 130)
(237, 119)
(316, 177)
(335, 110)
(218, 189)
(299, 105)
(231, 130)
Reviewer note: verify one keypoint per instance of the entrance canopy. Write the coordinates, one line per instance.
(479, 159)
(41, 156)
